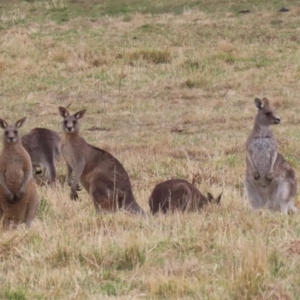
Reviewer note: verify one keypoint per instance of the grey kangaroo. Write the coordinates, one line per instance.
(43, 147)
(18, 197)
(270, 181)
(101, 174)
(178, 194)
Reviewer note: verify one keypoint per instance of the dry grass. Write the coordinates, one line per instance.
(170, 95)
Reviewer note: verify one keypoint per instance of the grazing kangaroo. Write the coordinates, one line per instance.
(270, 181)
(178, 194)
(43, 147)
(101, 174)
(18, 197)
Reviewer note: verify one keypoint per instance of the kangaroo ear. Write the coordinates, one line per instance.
(3, 124)
(20, 122)
(63, 111)
(79, 114)
(210, 197)
(219, 198)
(266, 102)
(258, 103)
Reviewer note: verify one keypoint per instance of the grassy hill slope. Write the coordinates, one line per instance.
(169, 89)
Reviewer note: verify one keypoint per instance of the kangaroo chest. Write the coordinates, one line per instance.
(73, 154)
(14, 174)
(69, 154)
(262, 152)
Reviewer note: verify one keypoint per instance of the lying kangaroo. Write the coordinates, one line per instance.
(18, 198)
(101, 174)
(43, 147)
(178, 194)
(270, 181)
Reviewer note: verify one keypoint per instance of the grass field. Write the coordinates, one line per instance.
(169, 88)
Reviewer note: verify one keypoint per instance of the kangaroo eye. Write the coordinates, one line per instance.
(74, 122)
(268, 114)
(15, 131)
(6, 132)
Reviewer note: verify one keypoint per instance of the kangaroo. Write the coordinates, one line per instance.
(18, 197)
(178, 194)
(269, 181)
(100, 173)
(43, 147)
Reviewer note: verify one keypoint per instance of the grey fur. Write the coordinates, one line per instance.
(270, 181)
(43, 145)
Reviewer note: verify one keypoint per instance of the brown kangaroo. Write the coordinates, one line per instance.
(18, 197)
(43, 144)
(101, 174)
(178, 194)
(270, 181)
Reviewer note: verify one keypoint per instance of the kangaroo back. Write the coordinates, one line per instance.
(43, 147)
(178, 194)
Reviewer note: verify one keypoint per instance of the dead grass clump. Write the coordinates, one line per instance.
(195, 154)
(293, 248)
(250, 279)
(155, 56)
(80, 58)
(14, 16)
(170, 287)
(2, 65)
(198, 82)
(9, 242)
(235, 149)
(225, 46)
(56, 5)
(274, 292)
(115, 257)
(207, 179)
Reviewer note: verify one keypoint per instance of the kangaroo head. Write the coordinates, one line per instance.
(213, 200)
(265, 114)
(11, 134)
(71, 122)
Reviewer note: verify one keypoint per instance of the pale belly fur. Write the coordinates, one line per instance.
(13, 179)
(69, 158)
(262, 151)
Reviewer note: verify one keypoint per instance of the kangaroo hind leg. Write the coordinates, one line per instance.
(284, 198)
(102, 199)
(32, 209)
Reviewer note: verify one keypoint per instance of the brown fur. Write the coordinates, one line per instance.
(18, 197)
(178, 194)
(43, 146)
(101, 174)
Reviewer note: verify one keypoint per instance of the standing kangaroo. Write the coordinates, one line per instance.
(101, 174)
(178, 194)
(270, 181)
(18, 198)
(43, 147)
